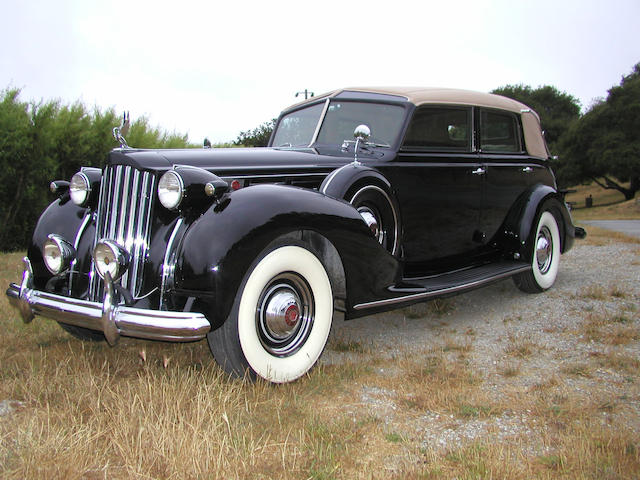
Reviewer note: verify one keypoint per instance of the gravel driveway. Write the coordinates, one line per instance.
(628, 227)
(602, 280)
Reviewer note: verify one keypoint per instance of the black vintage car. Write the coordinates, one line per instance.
(366, 200)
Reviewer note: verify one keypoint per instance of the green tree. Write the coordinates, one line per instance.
(45, 141)
(557, 110)
(258, 137)
(604, 145)
(26, 142)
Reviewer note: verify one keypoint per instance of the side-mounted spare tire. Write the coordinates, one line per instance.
(371, 194)
(281, 317)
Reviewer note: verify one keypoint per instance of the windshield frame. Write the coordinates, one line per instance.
(407, 106)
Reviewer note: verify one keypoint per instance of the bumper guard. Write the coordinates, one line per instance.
(107, 317)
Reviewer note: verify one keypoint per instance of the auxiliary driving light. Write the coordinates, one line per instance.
(110, 257)
(57, 253)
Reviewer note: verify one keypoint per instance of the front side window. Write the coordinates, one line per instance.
(342, 118)
(296, 129)
(440, 128)
(499, 132)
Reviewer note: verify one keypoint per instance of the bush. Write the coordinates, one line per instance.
(41, 142)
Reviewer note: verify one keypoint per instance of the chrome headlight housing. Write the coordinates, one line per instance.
(109, 257)
(186, 187)
(171, 190)
(57, 254)
(84, 186)
(80, 189)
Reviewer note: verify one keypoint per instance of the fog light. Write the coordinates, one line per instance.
(110, 257)
(57, 253)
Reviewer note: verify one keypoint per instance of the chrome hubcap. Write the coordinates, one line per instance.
(284, 316)
(282, 313)
(544, 249)
(370, 218)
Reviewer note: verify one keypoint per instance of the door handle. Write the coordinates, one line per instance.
(479, 171)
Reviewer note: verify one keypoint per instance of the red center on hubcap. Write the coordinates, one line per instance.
(291, 315)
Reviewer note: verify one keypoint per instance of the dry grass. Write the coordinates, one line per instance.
(607, 204)
(521, 347)
(599, 237)
(434, 308)
(610, 328)
(94, 412)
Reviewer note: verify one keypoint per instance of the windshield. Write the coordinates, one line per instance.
(342, 118)
(297, 128)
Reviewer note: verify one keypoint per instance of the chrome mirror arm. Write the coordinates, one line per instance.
(361, 134)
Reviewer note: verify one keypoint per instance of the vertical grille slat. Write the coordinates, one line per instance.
(124, 215)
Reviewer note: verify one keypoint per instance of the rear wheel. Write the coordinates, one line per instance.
(545, 256)
(280, 320)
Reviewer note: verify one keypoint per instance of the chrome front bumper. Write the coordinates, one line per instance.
(107, 317)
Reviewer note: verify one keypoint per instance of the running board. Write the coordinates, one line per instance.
(416, 289)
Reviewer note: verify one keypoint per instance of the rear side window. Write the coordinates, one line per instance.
(499, 132)
(440, 128)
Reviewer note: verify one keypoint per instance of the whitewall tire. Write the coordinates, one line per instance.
(281, 319)
(545, 256)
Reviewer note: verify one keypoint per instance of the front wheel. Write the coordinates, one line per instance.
(280, 320)
(545, 257)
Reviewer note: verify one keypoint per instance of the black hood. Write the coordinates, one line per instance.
(222, 161)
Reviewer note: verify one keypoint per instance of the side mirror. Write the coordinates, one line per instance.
(361, 134)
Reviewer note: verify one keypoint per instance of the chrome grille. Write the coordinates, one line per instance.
(124, 215)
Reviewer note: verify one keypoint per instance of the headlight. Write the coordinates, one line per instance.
(80, 189)
(171, 190)
(57, 253)
(110, 257)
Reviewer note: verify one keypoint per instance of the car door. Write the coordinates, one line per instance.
(509, 171)
(438, 178)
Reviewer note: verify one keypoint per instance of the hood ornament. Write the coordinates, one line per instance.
(122, 130)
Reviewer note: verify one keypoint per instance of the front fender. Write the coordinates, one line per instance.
(218, 248)
(62, 217)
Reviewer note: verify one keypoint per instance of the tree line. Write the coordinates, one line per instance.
(44, 141)
(602, 145)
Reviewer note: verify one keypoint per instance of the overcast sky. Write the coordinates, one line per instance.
(210, 68)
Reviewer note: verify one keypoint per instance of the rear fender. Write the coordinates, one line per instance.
(515, 236)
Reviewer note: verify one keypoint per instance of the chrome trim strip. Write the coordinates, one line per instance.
(76, 243)
(167, 268)
(331, 176)
(320, 121)
(443, 291)
(274, 175)
(129, 243)
(111, 319)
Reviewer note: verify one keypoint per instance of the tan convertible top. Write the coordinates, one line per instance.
(534, 141)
